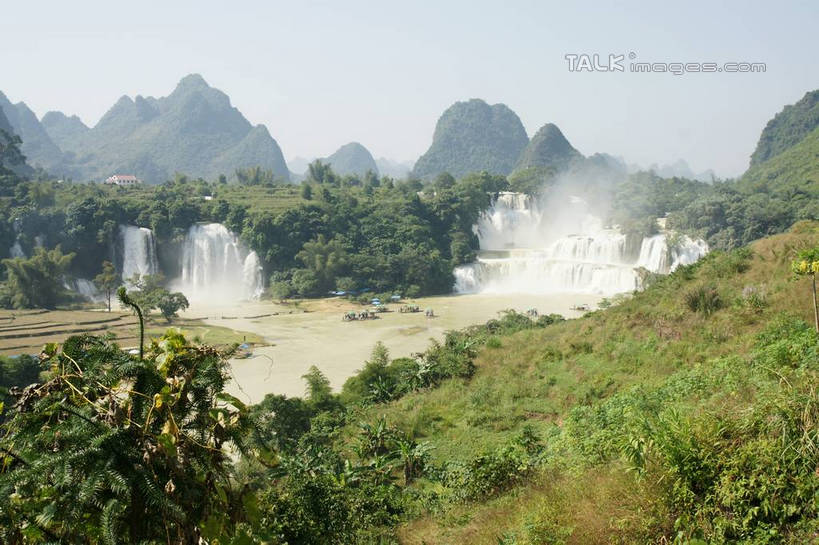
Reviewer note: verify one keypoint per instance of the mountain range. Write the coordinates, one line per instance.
(194, 130)
(473, 136)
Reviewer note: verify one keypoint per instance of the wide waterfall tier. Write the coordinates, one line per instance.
(532, 247)
(217, 267)
(138, 252)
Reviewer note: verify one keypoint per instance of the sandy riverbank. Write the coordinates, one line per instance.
(313, 333)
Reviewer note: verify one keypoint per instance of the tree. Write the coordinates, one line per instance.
(107, 281)
(305, 282)
(346, 284)
(37, 281)
(10, 154)
(116, 450)
(807, 264)
(150, 293)
(146, 290)
(281, 289)
(170, 303)
(255, 176)
(318, 390)
(306, 192)
(444, 180)
(326, 259)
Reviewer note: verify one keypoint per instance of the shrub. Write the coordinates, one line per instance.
(704, 299)
(754, 298)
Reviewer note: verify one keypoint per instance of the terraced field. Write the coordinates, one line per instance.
(26, 331)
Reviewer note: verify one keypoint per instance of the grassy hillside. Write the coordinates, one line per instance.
(641, 423)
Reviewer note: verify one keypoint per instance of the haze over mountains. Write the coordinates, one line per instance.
(195, 130)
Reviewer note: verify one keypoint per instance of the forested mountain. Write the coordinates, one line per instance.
(63, 128)
(5, 125)
(473, 136)
(548, 148)
(193, 130)
(788, 128)
(352, 159)
(771, 195)
(38, 147)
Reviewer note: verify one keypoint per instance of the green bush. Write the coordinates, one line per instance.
(703, 299)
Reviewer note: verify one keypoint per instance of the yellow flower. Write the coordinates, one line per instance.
(802, 267)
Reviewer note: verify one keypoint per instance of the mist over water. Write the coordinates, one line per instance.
(557, 244)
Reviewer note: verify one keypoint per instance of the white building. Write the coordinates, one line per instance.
(123, 179)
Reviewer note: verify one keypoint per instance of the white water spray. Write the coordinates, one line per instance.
(216, 266)
(526, 248)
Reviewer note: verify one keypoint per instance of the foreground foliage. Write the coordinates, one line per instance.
(657, 419)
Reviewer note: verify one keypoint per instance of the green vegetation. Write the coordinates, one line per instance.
(36, 282)
(349, 233)
(473, 136)
(112, 449)
(648, 421)
(765, 200)
(149, 293)
(107, 281)
(788, 128)
(781, 186)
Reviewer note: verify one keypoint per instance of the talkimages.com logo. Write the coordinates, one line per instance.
(583, 62)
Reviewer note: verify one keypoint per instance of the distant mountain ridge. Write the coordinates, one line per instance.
(38, 147)
(194, 130)
(394, 169)
(352, 159)
(548, 148)
(473, 136)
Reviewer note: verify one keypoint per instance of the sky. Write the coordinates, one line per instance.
(321, 74)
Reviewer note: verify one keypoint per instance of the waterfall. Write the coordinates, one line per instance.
(216, 266)
(138, 251)
(84, 287)
(654, 254)
(16, 250)
(529, 248)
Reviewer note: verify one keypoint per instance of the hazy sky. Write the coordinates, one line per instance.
(320, 74)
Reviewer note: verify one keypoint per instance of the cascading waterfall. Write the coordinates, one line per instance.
(216, 266)
(138, 252)
(526, 248)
